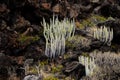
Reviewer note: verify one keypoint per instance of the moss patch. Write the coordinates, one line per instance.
(27, 39)
(50, 78)
(91, 21)
(43, 63)
(76, 42)
(56, 68)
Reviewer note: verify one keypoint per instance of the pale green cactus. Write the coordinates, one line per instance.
(89, 64)
(103, 34)
(55, 34)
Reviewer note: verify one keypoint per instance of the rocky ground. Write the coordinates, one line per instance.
(22, 40)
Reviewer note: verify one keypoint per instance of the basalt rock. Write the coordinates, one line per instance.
(75, 69)
(5, 64)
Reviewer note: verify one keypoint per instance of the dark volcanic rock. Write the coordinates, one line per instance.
(5, 64)
(3, 72)
(75, 69)
(110, 10)
(35, 51)
(5, 61)
(3, 41)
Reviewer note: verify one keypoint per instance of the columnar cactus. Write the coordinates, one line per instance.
(89, 64)
(55, 34)
(103, 34)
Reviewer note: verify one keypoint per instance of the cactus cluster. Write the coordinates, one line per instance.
(89, 64)
(55, 34)
(103, 34)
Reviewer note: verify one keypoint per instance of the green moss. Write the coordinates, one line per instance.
(99, 18)
(92, 21)
(69, 45)
(27, 39)
(87, 23)
(56, 68)
(42, 63)
(75, 42)
(33, 70)
(66, 56)
(50, 78)
(69, 78)
(85, 54)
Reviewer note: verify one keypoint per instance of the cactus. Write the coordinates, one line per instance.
(89, 64)
(55, 34)
(103, 34)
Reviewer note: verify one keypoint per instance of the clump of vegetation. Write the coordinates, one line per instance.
(69, 78)
(79, 25)
(77, 41)
(43, 63)
(56, 68)
(55, 35)
(27, 39)
(66, 55)
(32, 70)
(103, 34)
(85, 54)
(91, 21)
(50, 78)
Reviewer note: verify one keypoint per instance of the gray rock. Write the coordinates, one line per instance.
(32, 77)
